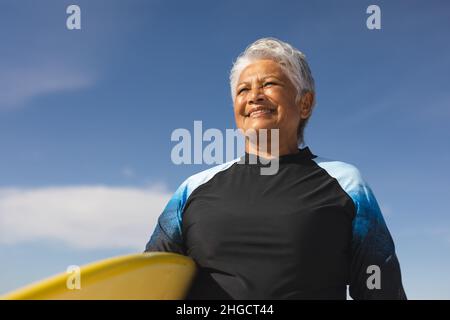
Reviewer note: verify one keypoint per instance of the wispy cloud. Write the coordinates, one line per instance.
(19, 85)
(437, 232)
(128, 172)
(87, 217)
(441, 232)
(386, 209)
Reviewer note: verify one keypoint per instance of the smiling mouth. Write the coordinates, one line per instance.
(260, 111)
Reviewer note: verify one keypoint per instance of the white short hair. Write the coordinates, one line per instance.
(292, 61)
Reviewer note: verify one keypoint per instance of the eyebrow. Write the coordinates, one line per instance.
(263, 78)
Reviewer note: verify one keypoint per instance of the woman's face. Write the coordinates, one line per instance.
(265, 99)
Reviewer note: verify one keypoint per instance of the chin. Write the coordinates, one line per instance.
(258, 124)
(265, 127)
(258, 129)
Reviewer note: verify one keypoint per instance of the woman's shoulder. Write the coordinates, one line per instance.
(348, 175)
(338, 166)
(202, 177)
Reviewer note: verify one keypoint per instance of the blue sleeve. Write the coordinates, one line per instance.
(374, 270)
(167, 235)
(374, 267)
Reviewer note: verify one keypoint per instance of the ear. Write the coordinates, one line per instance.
(306, 104)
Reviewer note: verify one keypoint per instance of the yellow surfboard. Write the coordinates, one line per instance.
(154, 275)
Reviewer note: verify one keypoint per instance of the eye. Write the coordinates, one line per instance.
(242, 90)
(269, 84)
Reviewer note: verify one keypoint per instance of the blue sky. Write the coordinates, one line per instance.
(86, 118)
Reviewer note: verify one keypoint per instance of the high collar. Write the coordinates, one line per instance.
(301, 155)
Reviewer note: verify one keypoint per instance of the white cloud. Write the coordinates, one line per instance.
(18, 85)
(87, 217)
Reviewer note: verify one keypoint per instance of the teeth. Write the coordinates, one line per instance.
(259, 112)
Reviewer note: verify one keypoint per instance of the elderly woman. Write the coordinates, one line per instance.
(305, 232)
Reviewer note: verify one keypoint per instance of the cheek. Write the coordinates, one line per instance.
(238, 117)
(289, 114)
(239, 104)
(239, 107)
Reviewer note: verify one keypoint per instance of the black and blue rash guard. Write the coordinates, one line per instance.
(305, 232)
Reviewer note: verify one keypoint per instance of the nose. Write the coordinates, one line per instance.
(256, 95)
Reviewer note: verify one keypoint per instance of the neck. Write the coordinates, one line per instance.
(268, 152)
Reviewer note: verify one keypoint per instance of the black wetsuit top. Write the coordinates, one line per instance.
(305, 232)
